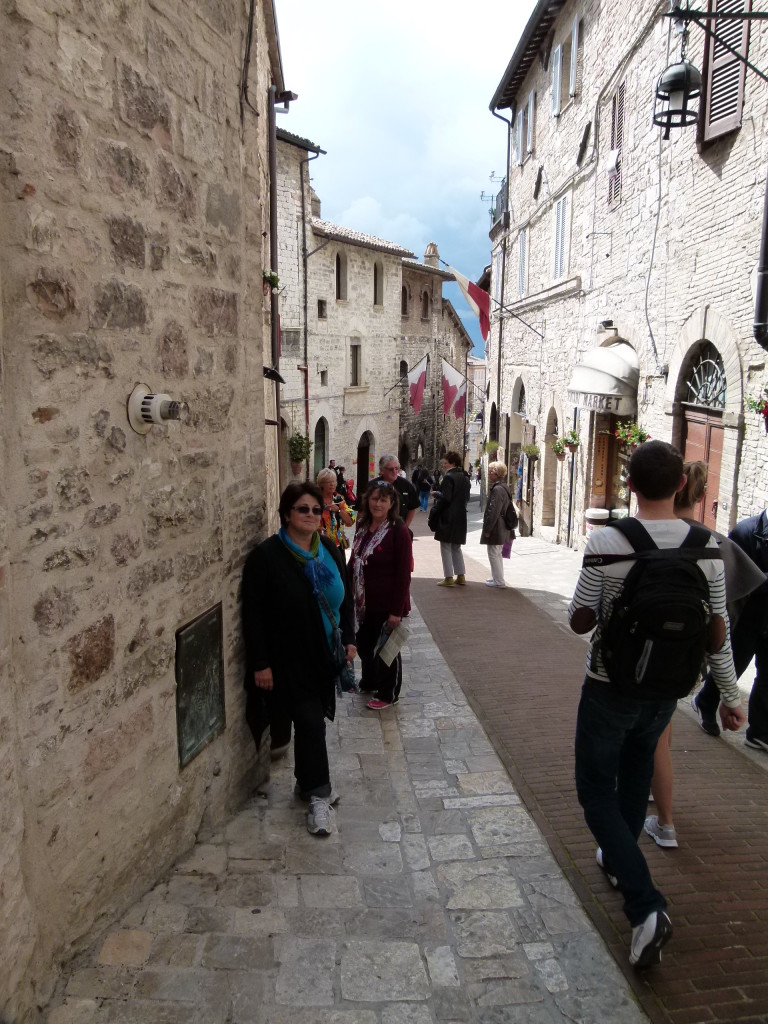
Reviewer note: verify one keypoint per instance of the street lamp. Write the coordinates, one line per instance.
(681, 83)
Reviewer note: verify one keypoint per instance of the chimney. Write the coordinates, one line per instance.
(431, 255)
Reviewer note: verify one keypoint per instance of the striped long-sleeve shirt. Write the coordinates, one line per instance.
(599, 586)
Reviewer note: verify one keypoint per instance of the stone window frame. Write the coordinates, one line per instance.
(340, 273)
(404, 301)
(425, 305)
(322, 309)
(524, 130)
(567, 64)
(378, 283)
(355, 363)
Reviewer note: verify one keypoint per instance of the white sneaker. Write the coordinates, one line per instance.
(319, 817)
(333, 799)
(664, 835)
(611, 878)
(648, 939)
(493, 583)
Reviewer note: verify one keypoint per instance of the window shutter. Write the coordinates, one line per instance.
(617, 142)
(574, 72)
(561, 208)
(557, 63)
(529, 134)
(724, 73)
(519, 138)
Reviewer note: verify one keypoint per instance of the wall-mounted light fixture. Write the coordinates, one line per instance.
(145, 408)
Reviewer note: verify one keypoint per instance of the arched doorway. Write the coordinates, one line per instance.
(365, 457)
(549, 482)
(404, 457)
(320, 449)
(701, 396)
(493, 426)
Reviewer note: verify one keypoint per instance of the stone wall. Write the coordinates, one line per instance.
(134, 211)
(685, 233)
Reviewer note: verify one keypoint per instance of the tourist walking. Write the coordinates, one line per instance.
(423, 482)
(294, 593)
(617, 727)
(495, 532)
(448, 519)
(336, 512)
(380, 569)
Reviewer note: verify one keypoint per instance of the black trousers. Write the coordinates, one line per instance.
(386, 680)
(305, 712)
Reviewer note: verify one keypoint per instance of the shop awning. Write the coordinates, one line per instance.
(606, 380)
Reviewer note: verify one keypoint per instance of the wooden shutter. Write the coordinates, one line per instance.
(561, 209)
(529, 134)
(521, 275)
(519, 137)
(617, 142)
(724, 73)
(557, 67)
(574, 70)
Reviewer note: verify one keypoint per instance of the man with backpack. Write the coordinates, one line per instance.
(499, 522)
(653, 590)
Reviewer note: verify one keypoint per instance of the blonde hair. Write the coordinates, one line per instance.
(696, 482)
(497, 468)
(325, 476)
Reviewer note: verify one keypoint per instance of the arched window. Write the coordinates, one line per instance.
(378, 283)
(404, 301)
(425, 306)
(403, 368)
(341, 276)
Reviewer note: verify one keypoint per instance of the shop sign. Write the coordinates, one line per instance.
(618, 405)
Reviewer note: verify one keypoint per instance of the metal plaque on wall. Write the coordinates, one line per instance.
(199, 683)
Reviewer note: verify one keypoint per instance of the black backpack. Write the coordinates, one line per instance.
(654, 643)
(510, 516)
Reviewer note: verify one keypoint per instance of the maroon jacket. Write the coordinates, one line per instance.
(387, 574)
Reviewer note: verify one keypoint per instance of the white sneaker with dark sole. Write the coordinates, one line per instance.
(755, 743)
(333, 799)
(600, 863)
(663, 835)
(319, 817)
(649, 938)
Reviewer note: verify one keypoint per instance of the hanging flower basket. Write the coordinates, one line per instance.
(760, 405)
(299, 447)
(631, 435)
(572, 441)
(270, 282)
(558, 447)
(531, 451)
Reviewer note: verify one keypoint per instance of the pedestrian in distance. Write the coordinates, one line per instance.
(495, 532)
(741, 578)
(380, 569)
(640, 660)
(336, 512)
(423, 482)
(389, 473)
(448, 519)
(295, 592)
(750, 640)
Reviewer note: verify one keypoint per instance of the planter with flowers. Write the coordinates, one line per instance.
(558, 447)
(270, 282)
(572, 441)
(299, 447)
(760, 405)
(631, 435)
(531, 451)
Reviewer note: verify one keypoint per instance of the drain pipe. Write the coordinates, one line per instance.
(274, 322)
(760, 326)
(304, 259)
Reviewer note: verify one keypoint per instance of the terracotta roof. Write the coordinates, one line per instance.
(531, 42)
(296, 140)
(415, 265)
(341, 234)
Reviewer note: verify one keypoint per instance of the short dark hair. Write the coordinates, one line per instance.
(291, 495)
(364, 515)
(655, 470)
(453, 457)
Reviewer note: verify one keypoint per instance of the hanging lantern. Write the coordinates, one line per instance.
(676, 93)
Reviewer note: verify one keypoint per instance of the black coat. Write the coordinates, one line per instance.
(450, 509)
(495, 530)
(283, 626)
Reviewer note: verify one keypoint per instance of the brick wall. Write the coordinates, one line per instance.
(133, 209)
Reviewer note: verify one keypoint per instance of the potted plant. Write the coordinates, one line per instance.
(631, 435)
(760, 405)
(572, 440)
(531, 451)
(270, 281)
(299, 447)
(491, 447)
(558, 447)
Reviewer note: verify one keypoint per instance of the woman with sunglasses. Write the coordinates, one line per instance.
(380, 568)
(295, 591)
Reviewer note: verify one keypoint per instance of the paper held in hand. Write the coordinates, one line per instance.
(389, 644)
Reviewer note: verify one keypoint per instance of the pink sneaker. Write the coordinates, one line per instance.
(377, 705)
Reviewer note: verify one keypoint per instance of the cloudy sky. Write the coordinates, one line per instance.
(397, 94)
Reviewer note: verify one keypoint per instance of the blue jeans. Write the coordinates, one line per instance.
(424, 500)
(615, 742)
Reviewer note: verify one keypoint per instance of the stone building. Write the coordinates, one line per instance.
(356, 313)
(134, 183)
(477, 374)
(622, 261)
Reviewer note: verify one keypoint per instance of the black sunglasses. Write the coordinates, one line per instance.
(306, 509)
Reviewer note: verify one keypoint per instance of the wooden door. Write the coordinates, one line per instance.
(703, 441)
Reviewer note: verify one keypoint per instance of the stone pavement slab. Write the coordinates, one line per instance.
(435, 899)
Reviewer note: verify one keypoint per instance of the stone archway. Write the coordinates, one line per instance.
(366, 456)
(705, 427)
(320, 446)
(549, 475)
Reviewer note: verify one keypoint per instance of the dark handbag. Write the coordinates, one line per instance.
(433, 519)
(345, 671)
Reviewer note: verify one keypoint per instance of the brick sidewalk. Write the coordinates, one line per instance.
(521, 672)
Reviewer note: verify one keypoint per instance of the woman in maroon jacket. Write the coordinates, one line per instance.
(380, 568)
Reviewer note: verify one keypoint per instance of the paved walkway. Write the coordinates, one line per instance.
(452, 887)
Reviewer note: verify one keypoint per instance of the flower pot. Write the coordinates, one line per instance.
(296, 468)
(572, 448)
(560, 456)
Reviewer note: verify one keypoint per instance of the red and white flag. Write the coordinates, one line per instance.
(452, 381)
(478, 300)
(417, 379)
(461, 402)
